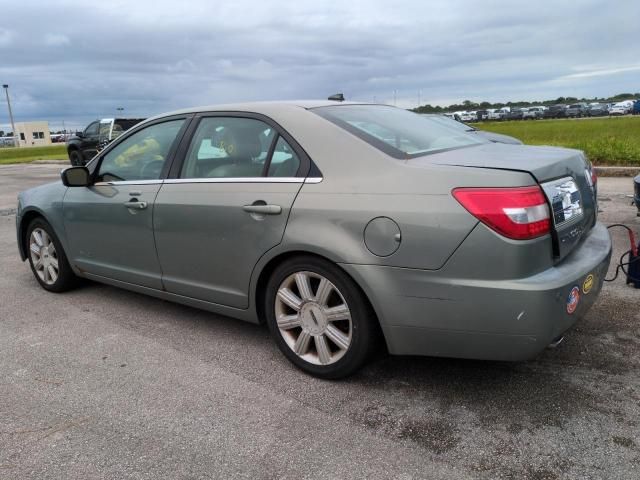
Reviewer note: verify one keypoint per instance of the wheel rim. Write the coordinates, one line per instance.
(313, 318)
(44, 256)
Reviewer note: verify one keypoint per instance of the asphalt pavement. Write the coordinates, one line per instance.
(105, 383)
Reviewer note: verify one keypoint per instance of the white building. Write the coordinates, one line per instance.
(32, 134)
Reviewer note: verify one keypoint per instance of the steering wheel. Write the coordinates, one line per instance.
(151, 170)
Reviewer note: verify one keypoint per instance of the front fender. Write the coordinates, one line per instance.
(45, 201)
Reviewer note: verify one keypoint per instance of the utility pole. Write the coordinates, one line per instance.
(395, 98)
(13, 125)
(120, 110)
(419, 98)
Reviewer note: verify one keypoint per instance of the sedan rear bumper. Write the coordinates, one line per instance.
(484, 319)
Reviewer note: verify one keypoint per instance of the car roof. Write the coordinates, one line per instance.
(267, 107)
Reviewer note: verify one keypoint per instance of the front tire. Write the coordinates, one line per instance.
(319, 318)
(75, 157)
(47, 259)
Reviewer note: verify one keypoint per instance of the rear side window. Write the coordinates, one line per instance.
(228, 147)
(399, 133)
(284, 162)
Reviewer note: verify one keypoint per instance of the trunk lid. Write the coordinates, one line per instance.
(563, 174)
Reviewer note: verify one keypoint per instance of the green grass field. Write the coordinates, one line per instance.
(29, 154)
(606, 141)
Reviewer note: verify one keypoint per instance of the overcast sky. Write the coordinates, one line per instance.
(79, 60)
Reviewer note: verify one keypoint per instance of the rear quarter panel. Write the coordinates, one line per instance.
(360, 183)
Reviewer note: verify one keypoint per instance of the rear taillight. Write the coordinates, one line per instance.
(594, 177)
(519, 213)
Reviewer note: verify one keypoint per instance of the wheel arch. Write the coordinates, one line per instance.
(272, 264)
(25, 219)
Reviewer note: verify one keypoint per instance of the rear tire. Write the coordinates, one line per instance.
(75, 157)
(47, 259)
(319, 318)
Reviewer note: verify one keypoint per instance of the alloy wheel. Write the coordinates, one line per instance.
(44, 256)
(313, 318)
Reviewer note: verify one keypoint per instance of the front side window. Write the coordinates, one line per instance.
(140, 156)
(399, 133)
(228, 147)
(92, 129)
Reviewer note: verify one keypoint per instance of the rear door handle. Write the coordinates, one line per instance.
(136, 205)
(263, 209)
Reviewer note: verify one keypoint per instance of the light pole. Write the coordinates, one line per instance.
(120, 110)
(13, 125)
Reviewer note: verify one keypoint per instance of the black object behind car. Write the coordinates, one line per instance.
(84, 145)
(599, 110)
(636, 197)
(555, 111)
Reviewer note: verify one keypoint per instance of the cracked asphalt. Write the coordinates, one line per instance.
(105, 383)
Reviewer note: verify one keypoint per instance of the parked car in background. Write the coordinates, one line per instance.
(514, 114)
(577, 110)
(491, 136)
(337, 224)
(7, 142)
(533, 113)
(469, 117)
(482, 115)
(496, 114)
(84, 145)
(555, 111)
(621, 108)
(598, 110)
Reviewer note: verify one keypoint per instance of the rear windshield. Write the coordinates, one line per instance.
(397, 132)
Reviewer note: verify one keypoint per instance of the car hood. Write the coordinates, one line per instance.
(498, 137)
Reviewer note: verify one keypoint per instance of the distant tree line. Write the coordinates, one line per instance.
(469, 105)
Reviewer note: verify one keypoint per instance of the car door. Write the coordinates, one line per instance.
(227, 205)
(109, 225)
(90, 140)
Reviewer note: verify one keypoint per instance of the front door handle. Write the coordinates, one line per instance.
(263, 209)
(136, 205)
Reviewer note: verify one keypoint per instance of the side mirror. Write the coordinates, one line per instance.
(79, 134)
(75, 177)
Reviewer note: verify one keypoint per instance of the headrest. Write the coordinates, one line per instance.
(242, 144)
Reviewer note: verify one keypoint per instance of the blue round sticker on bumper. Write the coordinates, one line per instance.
(573, 299)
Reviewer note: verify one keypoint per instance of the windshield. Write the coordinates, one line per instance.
(397, 132)
(450, 122)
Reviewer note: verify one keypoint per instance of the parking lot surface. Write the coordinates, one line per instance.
(104, 383)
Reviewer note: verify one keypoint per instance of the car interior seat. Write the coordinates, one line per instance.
(243, 147)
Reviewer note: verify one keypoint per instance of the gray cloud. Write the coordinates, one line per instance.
(75, 61)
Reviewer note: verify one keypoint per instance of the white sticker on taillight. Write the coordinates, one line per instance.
(524, 215)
